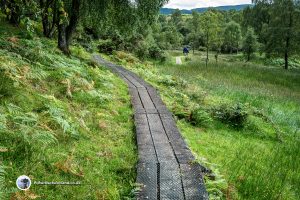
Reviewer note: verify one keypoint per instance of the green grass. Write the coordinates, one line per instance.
(61, 119)
(259, 160)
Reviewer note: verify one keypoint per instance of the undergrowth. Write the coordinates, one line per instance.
(62, 119)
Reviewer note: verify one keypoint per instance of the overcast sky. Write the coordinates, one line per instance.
(189, 4)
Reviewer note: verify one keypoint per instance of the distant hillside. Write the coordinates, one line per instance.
(167, 11)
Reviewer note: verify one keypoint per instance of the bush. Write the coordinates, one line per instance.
(121, 55)
(142, 51)
(199, 117)
(234, 116)
(156, 53)
(107, 46)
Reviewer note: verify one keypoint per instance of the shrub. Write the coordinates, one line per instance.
(107, 46)
(199, 117)
(180, 111)
(156, 53)
(172, 81)
(121, 55)
(142, 51)
(234, 116)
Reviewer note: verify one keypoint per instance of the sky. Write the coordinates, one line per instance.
(189, 4)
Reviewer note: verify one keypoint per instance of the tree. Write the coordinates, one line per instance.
(195, 37)
(250, 43)
(122, 13)
(232, 36)
(65, 15)
(284, 29)
(211, 23)
(16, 10)
(256, 17)
(49, 13)
(176, 17)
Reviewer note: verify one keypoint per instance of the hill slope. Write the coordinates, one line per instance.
(62, 119)
(168, 11)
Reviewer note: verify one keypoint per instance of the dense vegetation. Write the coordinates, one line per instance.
(64, 118)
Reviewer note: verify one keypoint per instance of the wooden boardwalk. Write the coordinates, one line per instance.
(166, 167)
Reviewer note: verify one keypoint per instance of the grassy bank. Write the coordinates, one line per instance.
(62, 119)
(241, 119)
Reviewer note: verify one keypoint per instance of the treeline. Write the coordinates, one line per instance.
(63, 19)
(270, 27)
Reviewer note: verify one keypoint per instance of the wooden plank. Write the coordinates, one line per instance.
(133, 81)
(193, 183)
(170, 181)
(162, 145)
(147, 181)
(157, 130)
(135, 99)
(145, 98)
(182, 152)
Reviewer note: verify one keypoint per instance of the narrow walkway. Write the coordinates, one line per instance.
(178, 60)
(166, 167)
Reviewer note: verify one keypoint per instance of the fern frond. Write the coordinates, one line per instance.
(45, 138)
(13, 109)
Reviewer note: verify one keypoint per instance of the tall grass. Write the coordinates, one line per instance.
(258, 160)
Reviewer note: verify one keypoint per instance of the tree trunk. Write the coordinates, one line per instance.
(207, 48)
(74, 19)
(55, 20)
(48, 27)
(286, 61)
(65, 32)
(287, 45)
(62, 40)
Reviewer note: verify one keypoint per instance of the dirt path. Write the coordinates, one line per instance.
(166, 167)
(178, 60)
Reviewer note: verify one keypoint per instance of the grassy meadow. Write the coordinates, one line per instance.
(242, 120)
(62, 119)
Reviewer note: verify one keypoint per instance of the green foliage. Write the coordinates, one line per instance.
(107, 46)
(211, 23)
(142, 51)
(232, 37)
(283, 30)
(7, 87)
(200, 117)
(156, 53)
(54, 110)
(250, 44)
(235, 116)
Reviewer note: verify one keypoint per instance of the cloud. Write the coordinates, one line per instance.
(189, 4)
